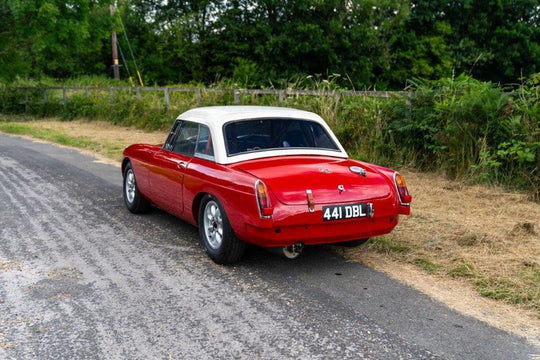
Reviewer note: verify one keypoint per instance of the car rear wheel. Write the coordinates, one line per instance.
(216, 233)
(132, 197)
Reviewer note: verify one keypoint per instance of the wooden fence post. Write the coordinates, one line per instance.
(281, 96)
(166, 95)
(199, 96)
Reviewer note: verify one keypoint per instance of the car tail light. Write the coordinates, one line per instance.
(263, 200)
(404, 196)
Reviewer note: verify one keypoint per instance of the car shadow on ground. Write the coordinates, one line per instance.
(174, 231)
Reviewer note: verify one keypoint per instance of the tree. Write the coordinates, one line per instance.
(505, 35)
(495, 40)
(56, 38)
(12, 62)
(371, 43)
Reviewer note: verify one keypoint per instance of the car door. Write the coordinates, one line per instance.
(169, 166)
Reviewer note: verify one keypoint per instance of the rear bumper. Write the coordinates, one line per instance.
(322, 233)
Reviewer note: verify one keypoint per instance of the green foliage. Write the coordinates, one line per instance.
(378, 44)
(490, 40)
(246, 72)
(363, 128)
(472, 130)
(55, 38)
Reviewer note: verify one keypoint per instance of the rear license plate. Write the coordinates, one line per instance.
(341, 212)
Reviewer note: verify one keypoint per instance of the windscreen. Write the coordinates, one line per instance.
(262, 134)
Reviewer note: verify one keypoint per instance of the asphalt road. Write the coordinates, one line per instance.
(82, 278)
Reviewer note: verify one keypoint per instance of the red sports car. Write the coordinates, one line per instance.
(269, 176)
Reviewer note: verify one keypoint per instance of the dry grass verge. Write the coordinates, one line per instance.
(475, 248)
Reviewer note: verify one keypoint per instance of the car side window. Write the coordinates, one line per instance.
(205, 147)
(186, 138)
(168, 145)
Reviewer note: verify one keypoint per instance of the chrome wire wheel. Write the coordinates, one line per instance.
(130, 186)
(213, 224)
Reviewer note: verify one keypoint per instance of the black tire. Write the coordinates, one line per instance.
(353, 243)
(132, 197)
(216, 234)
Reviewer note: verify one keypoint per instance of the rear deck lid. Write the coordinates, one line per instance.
(331, 180)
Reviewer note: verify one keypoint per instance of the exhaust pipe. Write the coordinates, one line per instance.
(293, 251)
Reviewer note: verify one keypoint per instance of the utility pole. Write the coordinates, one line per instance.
(115, 66)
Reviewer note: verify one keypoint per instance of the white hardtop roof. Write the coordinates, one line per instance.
(219, 115)
(216, 116)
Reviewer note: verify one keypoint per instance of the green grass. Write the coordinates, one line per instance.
(48, 135)
(388, 245)
(462, 269)
(427, 265)
(525, 293)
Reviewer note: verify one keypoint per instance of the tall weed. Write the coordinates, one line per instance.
(474, 130)
(450, 121)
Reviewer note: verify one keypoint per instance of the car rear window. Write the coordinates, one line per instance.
(262, 134)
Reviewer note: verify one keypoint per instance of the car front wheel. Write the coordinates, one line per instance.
(132, 197)
(216, 233)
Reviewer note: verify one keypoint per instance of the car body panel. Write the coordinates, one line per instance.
(290, 177)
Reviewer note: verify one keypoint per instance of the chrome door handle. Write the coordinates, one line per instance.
(182, 165)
